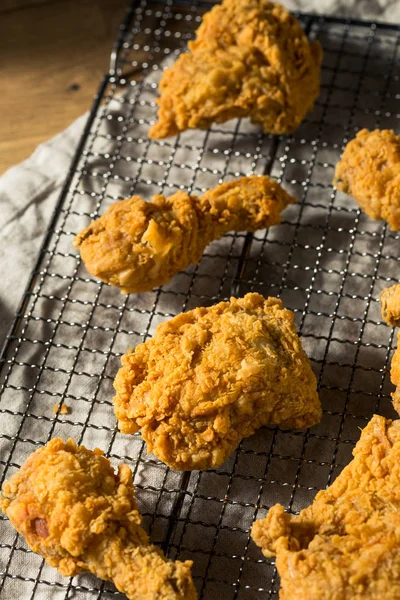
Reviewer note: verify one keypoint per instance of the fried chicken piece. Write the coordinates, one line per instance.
(395, 376)
(369, 170)
(390, 304)
(138, 245)
(80, 516)
(346, 545)
(250, 58)
(212, 376)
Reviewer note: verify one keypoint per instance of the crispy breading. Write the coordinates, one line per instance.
(369, 170)
(346, 545)
(138, 245)
(249, 58)
(80, 516)
(212, 376)
(395, 376)
(390, 305)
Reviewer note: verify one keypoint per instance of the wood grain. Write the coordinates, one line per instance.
(53, 55)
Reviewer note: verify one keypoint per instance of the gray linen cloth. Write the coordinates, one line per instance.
(28, 194)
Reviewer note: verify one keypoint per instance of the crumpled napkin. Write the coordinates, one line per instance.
(28, 195)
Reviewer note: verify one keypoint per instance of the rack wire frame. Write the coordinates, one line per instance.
(327, 261)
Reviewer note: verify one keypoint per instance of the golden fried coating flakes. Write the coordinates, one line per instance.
(390, 305)
(63, 408)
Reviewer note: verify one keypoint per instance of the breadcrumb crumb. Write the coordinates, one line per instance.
(64, 409)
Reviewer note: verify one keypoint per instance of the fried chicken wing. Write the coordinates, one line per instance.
(250, 58)
(390, 304)
(346, 545)
(80, 516)
(369, 170)
(212, 376)
(138, 245)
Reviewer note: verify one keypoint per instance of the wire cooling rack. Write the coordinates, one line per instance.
(327, 261)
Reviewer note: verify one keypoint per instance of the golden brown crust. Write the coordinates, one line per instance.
(80, 516)
(138, 245)
(211, 376)
(369, 170)
(395, 376)
(390, 305)
(346, 545)
(249, 58)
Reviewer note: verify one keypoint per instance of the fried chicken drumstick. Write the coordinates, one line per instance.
(80, 516)
(346, 545)
(390, 304)
(369, 170)
(249, 58)
(212, 376)
(138, 245)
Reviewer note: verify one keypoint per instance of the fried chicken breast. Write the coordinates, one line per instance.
(80, 516)
(212, 376)
(138, 245)
(369, 170)
(250, 58)
(390, 304)
(346, 545)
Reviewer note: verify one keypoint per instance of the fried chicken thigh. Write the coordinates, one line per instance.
(212, 376)
(346, 545)
(250, 58)
(138, 245)
(80, 516)
(390, 304)
(369, 170)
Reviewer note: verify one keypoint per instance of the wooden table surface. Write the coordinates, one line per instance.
(53, 54)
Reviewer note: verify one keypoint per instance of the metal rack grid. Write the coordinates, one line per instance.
(327, 261)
